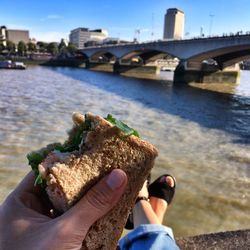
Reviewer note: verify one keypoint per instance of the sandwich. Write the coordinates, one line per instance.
(95, 146)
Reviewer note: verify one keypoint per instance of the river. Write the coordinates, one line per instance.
(203, 135)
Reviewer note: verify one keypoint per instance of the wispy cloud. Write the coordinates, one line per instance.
(129, 29)
(116, 28)
(17, 26)
(51, 17)
(54, 16)
(50, 36)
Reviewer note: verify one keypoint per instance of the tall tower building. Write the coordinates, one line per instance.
(174, 24)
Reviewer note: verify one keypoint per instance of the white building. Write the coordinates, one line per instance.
(174, 24)
(80, 36)
(3, 35)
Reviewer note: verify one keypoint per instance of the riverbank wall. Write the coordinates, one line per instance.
(67, 62)
(231, 240)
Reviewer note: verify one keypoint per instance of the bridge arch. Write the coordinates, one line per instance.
(224, 57)
(146, 55)
(83, 55)
(102, 56)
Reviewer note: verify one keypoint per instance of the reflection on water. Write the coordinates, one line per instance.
(203, 136)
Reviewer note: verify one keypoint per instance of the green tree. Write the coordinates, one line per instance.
(72, 48)
(52, 48)
(21, 48)
(11, 47)
(2, 47)
(62, 46)
(31, 47)
(42, 46)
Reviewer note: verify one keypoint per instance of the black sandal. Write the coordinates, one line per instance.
(161, 189)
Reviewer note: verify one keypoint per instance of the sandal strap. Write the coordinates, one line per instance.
(141, 198)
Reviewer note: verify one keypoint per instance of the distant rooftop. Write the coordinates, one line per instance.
(174, 10)
(80, 28)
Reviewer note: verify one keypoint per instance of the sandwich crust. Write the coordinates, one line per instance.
(70, 176)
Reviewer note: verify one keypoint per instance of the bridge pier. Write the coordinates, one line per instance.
(138, 71)
(131, 70)
(99, 66)
(206, 75)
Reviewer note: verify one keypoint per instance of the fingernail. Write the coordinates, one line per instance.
(115, 179)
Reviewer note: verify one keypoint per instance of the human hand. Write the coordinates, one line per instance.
(25, 223)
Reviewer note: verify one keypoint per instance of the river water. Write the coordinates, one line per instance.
(203, 135)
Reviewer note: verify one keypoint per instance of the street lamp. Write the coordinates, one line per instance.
(152, 33)
(137, 35)
(211, 23)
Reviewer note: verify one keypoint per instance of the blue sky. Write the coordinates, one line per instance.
(51, 20)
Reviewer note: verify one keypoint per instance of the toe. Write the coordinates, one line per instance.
(170, 181)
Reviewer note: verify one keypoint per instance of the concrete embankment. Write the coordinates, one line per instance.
(68, 62)
(65, 63)
(231, 240)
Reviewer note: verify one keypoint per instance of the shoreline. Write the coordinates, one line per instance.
(239, 239)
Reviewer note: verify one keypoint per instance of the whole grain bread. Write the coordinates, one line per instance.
(105, 148)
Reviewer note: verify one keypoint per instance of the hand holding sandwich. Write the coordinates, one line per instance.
(25, 222)
(103, 161)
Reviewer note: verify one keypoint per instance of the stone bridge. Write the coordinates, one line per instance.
(192, 53)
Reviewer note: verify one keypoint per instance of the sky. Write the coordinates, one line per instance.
(52, 20)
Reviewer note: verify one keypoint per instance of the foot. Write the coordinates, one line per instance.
(161, 193)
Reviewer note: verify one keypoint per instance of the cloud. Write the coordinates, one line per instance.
(129, 29)
(51, 17)
(17, 26)
(121, 28)
(54, 16)
(49, 36)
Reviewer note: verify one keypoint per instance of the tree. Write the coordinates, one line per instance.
(42, 46)
(21, 48)
(2, 47)
(11, 47)
(31, 47)
(72, 48)
(62, 46)
(52, 48)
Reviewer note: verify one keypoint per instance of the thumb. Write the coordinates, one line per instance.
(97, 202)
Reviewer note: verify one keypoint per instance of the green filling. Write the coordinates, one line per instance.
(72, 144)
(122, 126)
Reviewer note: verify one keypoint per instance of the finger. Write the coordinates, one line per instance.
(97, 202)
(27, 184)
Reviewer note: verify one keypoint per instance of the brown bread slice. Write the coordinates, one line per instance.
(70, 176)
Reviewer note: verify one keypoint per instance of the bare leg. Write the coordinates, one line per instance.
(142, 211)
(153, 211)
(158, 205)
(144, 214)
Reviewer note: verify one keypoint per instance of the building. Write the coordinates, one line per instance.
(3, 35)
(14, 36)
(81, 36)
(174, 24)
